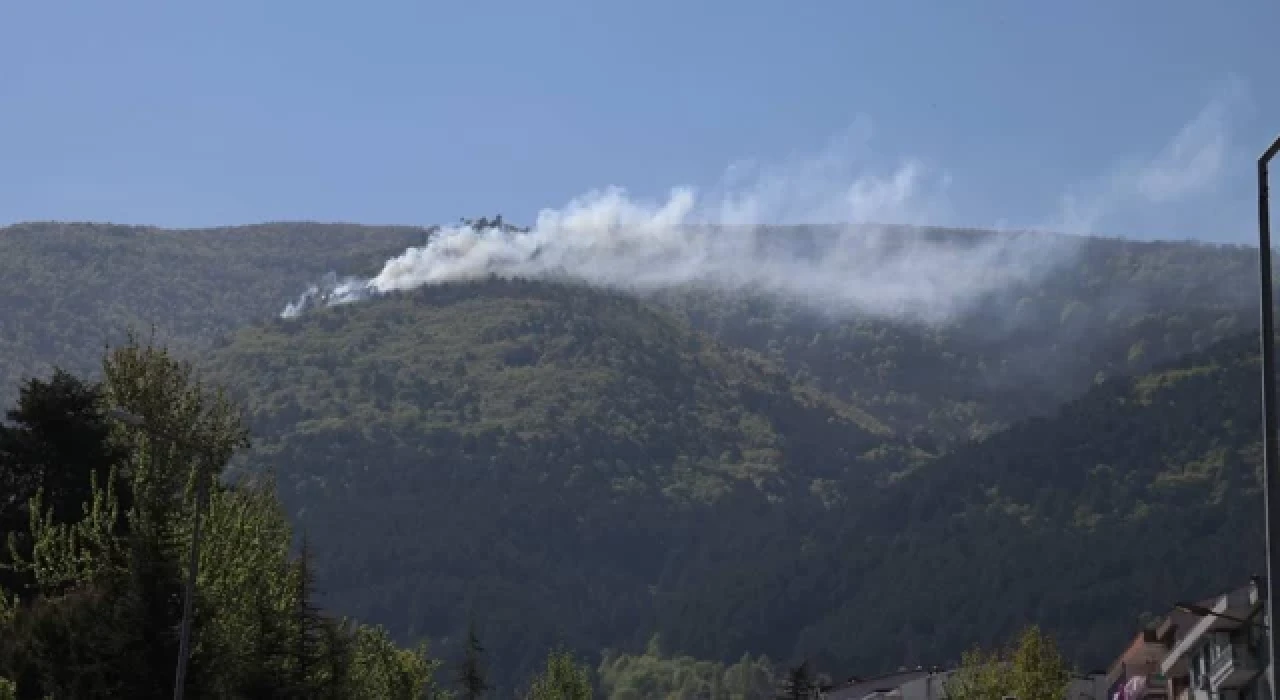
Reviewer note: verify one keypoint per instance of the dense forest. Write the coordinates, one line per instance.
(72, 289)
(572, 468)
(1142, 491)
(1114, 307)
(541, 462)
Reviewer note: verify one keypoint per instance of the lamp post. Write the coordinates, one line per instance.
(1270, 448)
(189, 590)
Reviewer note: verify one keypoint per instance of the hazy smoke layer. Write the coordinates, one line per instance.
(733, 239)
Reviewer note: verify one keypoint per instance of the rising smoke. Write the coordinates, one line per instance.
(735, 238)
(741, 236)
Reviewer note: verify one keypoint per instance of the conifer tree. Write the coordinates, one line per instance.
(798, 685)
(471, 676)
(308, 627)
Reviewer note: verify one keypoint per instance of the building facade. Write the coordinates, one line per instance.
(1222, 655)
(1214, 649)
(932, 685)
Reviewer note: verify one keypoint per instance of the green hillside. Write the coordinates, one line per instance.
(1111, 307)
(71, 288)
(1143, 491)
(582, 466)
(535, 452)
(738, 474)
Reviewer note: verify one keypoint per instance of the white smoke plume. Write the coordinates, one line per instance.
(730, 239)
(735, 236)
(1145, 192)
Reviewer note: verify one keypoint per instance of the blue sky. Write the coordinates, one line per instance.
(1148, 114)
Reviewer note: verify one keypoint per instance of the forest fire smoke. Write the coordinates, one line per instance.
(743, 236)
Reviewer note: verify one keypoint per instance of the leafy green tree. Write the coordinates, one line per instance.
(105, 589)
(635, 677)
(562, 679)
(1031, 669)
(380, 669)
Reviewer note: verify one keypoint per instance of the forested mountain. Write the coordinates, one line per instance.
(1111, 307)
(585, 468)
(1145, 490)
(739, 474)
(536, 452)
(69, 289)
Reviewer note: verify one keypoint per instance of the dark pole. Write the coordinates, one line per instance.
(184, 640)
(157, 436)
(1270, 448)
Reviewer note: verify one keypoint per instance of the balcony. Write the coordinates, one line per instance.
(1157, 687)
(1233, 667)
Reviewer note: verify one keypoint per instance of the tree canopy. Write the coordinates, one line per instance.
(99, 600)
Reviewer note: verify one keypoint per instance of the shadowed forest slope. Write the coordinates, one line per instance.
(739, 474)
(1143, 491)
(532, 451)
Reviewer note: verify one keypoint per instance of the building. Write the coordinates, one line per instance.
(1137, 674)
(1214, 649)
(918, 684)
(1222, 653)
(932, 685)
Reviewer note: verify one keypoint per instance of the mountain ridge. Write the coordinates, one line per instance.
(734, 473)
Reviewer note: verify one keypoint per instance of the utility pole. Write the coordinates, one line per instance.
(193, 563)
(193, 566)
(1270, 448)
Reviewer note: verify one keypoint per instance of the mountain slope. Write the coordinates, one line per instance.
(533, 451)
(569, 462)
(573, 462)
(1110, 307)
(69, 288)
(1143, 491)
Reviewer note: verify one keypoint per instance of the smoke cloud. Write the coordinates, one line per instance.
(761, 230)
(1138, 193)
(752, 232)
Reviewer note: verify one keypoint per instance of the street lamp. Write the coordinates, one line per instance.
(189, 591)
(1270, 448)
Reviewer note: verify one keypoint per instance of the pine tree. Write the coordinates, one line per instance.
(471, 671)
(262, 666)
(308, 628)
(57, 444)
(153, 599)
(338, 638)
(798, 684)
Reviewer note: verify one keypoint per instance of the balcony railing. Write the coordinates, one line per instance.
(1234, 667)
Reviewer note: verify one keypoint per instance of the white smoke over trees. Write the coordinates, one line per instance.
(818, 230)
(736, 238)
